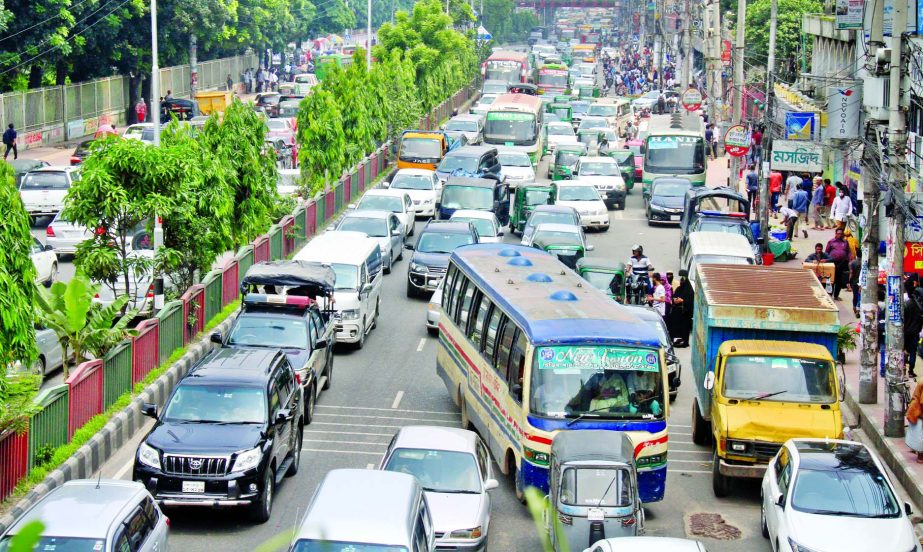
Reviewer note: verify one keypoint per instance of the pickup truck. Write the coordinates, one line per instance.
(763, 350)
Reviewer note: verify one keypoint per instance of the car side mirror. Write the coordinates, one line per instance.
(780, 500)
(590, 247)
(709, 381)
(49, 248)
(351, 206)
(385, 184)
(908, 509)
(321, 344)
(366, 289)
(331, 228)
(396, 232)
(283, 416)
(408, 246)
(217, 338)
(149, 410)
(493, 484)
(500, 234)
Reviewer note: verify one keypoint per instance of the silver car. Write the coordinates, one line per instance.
(383, 226)
(432, 310)
(453, 465)
(96, 514)
(469, 126)
(64, 235)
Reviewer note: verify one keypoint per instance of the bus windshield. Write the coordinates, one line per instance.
(556, 78)
(596, 381)
(503, 70)
(675, 154)
(510, 128)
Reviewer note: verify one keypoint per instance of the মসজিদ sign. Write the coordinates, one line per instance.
(796, 155)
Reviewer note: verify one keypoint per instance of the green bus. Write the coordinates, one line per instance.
(675, 146)
(326, 62)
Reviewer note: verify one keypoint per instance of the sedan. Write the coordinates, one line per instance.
(383, 226)
(590, 122)
(832, 495)
(64, 236)
(22, 166)
(584, 197)
(664, 200)
(468, 126)
(81, 152)
(605, 174)
(43, 190)
(396, 201)
(432, 310)
(554, 214)
(423, 187)
(453, 466)
(485, 222)
(46, 263)
(558, 132)
(516, 167)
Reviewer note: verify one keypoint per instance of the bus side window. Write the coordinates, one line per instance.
(477, 327)
(448, 289)
(504, 344)
(490, 337)
(517, 365)
(461, 317)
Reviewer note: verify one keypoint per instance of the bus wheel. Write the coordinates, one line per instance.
(519, 484)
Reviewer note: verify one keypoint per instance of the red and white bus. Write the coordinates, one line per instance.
(509, 66)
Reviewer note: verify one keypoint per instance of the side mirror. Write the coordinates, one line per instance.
(709, 381)
(283, 416)
(49, 248)
(321, 344)
(351, 206)
(149, 410)
(408, 246)
(366, 289)
(217, 338)
(500, 234)
(385, 184)
(780, 500)
(590, 247)
(908, 509)
(396, 232)
(493, 484)
(331, 228)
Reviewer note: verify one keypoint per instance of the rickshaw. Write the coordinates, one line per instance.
(593, 488)
(588, 92)
(562, 98)
(605, 275)
(567, 250)
(626, 160)
(565, 159)
(590, 137)
(526, 198)
(564, 111)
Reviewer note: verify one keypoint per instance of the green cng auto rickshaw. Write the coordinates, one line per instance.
(563, 110)
(593, 488)
(589, 92)
(565, 159)
(626, 161)
(605, 275)
(562, 98)
(527, 198)
(569, 248)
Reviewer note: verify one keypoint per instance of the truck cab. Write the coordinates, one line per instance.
(423, 149)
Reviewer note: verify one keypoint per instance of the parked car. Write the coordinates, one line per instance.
(515, 167)
(46, 263)
(395, 201)
(453, 466)
(421, 185)
(646, 544)
(42, 190)
(81, 152)
(485, 222)
(551, 214)
(50, 354)
(469, 126)
(831, 495)
(95, 514)
(585, 198)
(230, 426)
(64, 236)
(431, 253)
(603, 173)
(382, 226)
(22, 166)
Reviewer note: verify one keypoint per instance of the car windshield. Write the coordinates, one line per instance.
(706, 225)
(45, 180)
(853, 488)
(231, 404)
(372, 227)
(305, 545)
(578, 193)
(537, 197)
(133, 130)
(595, 168)
(494, 88)
(510, 128)
(781, 379)
(593, 486)
(580, 108)
(597, 381)
(675, 154)
(347, 276)
(467, 197)
(421, 150)
(600, 280)
(287, 332)
(560, 130)
(567, 158)
(721, 259)
(485, 227)
(593, 123)
(381, 203)
(514, 159)
(412, 182)
(304, 79)
(602, 110)
(454, 163)
(462, 126)
(276, 124)
(487, 100)
(84, 148)
(555, 237)
(438, 470)
(670, 189)
(623, 157)
(552, 218)
(442, 242)
(60, 544)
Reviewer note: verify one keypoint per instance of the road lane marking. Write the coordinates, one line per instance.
(346, 452)
(422, 343)
(451, 424)
(691, 451)
(389, 410)
(397, 399)
(370, 466)
(344, 442)
(680, 433)
(411, 419)
(671, 460)
(678, 425)
(309, 432)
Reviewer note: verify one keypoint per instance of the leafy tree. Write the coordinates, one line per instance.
(17, 277)
(333, 16)
(789, 28)
(321, 138)
(351, 88)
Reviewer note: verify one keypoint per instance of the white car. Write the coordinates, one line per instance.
(140, 131)
(646, 544)
(516, 167)
(820, 494)
(590, 122)
(46, 263)
(485, 222)
(432, 310)
(647, 101)
(607, 110)
(422, 185)
(396, 201)
(559, 132)
(64, 236)
(43, 190)
(585, 198)
(603, 173)
(382, 226)
(469, 126)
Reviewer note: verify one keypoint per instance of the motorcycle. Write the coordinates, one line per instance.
(639, 287)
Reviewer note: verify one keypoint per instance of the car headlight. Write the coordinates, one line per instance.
(798, 548)
(466, 533)
(247, 460)
(655, 207)
(149, 456)
(602, 211)
(351, 314)
(427, 201)
(415, 267)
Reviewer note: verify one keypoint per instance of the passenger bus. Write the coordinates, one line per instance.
(527, 348)
(509, 66)
(675, 146)
(552, 79)
(515, 120)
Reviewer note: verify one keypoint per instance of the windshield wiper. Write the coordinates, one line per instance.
(587, 413)
(450, 491)
(766, 395)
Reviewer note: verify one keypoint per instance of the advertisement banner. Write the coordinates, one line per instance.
(692, 99)
(795, 155)
(799, 125)
(844, 104)
(849, 14)
(737, 141)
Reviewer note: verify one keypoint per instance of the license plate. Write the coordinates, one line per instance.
(674, 217)
(595, 514)
(193, 486)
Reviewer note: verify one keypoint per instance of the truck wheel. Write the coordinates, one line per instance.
(720, 483)
(701, 432)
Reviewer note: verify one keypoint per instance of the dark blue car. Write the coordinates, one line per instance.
(431, 253)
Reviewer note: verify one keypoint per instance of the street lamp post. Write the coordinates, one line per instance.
(155, 76)
(368, 38)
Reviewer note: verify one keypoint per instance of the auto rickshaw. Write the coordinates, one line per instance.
(568, 251)
(562, 98)
(590, 137)
(589, 92)
(565, 159)
(626, 160)
(563, 110)
(605, 275)
(526, 198)
(593, 488)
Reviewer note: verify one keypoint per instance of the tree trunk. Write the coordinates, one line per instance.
(35, 76)
(133, 82)
(146, 93)
(60, 73)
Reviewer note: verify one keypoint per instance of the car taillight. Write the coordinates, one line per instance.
(166, 520)
(75, 160)
(150, 291)
(49, 231)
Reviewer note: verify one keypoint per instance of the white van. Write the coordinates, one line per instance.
(356, 260)
(715, 247)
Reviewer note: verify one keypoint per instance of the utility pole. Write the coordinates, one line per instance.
(155, 76)
(766, 146)
(897, 140)
(715, 62)
(868, 308)
(687, 37)
(738, 81)
(368, 38)
(193, 65)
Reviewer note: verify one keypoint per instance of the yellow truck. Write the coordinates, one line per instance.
(763, 348)
(423, 149)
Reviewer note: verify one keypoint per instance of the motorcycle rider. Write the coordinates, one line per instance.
(640, 268)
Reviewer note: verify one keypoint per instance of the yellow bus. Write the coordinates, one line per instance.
(515, 120)
(527, 348)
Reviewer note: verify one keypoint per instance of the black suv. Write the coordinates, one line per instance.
(431, 253)
(228, 434)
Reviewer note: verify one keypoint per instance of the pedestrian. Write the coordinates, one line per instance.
(756, 141)
(169, 96)
(841, 209)
(248, 80)
(775, 189)
(852, 241)
(800, 202)
(789, 221)
(230, 83)
(829, 196)
(817, 203)
(792, 183)
(658, 296)
(710, 142)
(9, 139)
(855, 268)
(668, 293)
(838, 250)
(140, 110)
(914, 435)
(913, 324)
(753, 184)
(681, 311)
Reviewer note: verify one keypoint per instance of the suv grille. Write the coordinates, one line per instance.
(196, 465)
(437, 269)
(765, 451)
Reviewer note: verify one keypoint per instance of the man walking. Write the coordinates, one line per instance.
(775, 188)
(829, 196)
(9, 138)
(838, 251)
(800, 202)
(753, 185)
(842, 208)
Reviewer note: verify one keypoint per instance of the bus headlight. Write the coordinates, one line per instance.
(653, 460)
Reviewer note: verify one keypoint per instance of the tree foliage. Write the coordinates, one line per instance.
(788, 32)
(505, 22)
(17, 276)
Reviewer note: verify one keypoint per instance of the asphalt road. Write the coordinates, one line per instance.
(392, 383)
